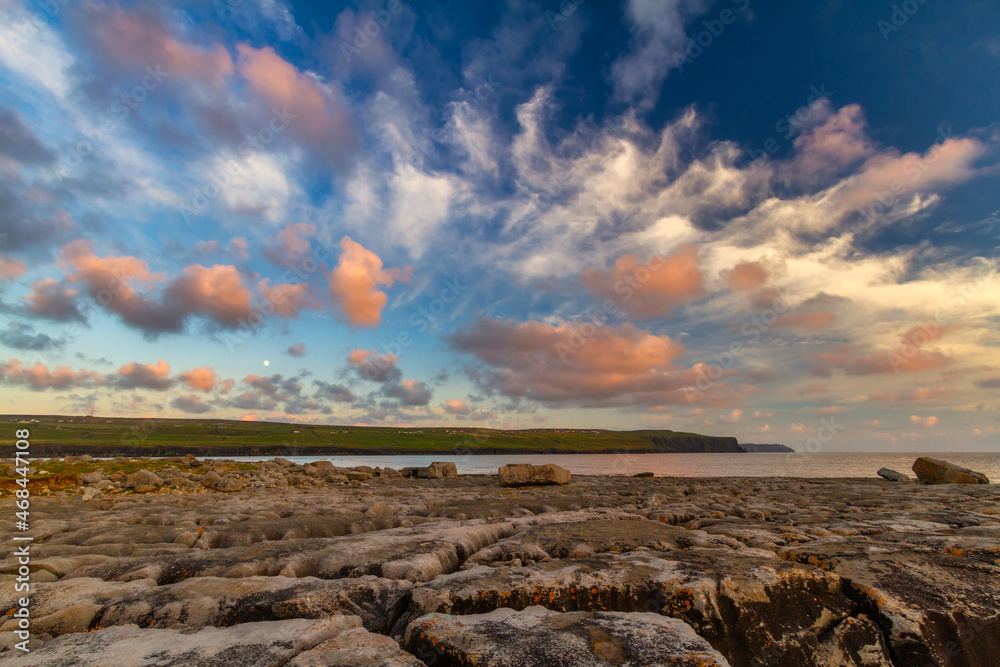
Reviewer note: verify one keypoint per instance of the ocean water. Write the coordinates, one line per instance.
(685, 465)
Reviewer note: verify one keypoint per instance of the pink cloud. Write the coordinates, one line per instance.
(202, 378)
(374, 366)
(354, 284)
(826, 150)
(321, 120)
(216, 292)
(889, 177)
(290, 244)
(746, 276)
(134, 375)
(52, 300)
(454, 406)
(652, 289)
(140, 38)
(12, 268)
(38, 377)
(927, 422)
(918, 395)
(813, 321)
(592, 366)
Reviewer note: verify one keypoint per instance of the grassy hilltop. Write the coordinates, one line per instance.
(104, 436)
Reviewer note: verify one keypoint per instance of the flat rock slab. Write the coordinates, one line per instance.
(537, 637)
(892, 475)
(248, 645)
(936, 471)
(523, 474)
(356, 648)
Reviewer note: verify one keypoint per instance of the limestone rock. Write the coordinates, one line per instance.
(91, 477)
(143, 478)
(523, 474)
(935, 471)
(248, 645)
(356, 648)
(892, 475)
(537, 637)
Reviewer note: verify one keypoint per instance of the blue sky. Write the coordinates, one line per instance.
(731, 217)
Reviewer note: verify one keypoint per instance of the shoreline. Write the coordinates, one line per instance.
(317, 564)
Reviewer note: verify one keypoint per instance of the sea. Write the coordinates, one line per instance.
(822, 464)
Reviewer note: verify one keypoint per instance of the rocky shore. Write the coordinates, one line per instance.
(189, 563)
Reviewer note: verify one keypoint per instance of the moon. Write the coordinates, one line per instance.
(267, 363)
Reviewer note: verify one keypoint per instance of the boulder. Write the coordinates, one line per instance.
(523, 474)
(537, 637)
(323, 465)
(190, 461)
(142, 478)
(210, 479)
(91, 477)
(935, 471)
(285, 463)
(437, 470)
(892, 475)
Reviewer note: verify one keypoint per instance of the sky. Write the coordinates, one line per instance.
(732, 217)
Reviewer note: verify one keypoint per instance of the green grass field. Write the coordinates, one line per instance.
(102, 435)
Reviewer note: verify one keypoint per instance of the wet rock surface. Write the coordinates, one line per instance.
(336, 566)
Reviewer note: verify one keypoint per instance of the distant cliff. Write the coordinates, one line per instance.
(701, 444)
(765, 449)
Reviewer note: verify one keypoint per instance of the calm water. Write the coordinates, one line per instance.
(685, 465)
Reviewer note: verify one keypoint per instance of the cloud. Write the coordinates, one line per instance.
(134, 375)
(23, 337)
(927, 422)
(297, 350)
(902, 360)
(135, 38)
(375, 367)
(202, 378)
(810, 320)
(191, 404)
(578, 364)
(657, 46)
(19, 143)
(333, 392)
(215, 292)
(12, 268)
(649, 290)
(290, 244)
(918, 395)
(409, 392)
(830, 148)
(989, 383)
(354, 284)
(746, 276)
(454, 406)
(239, 245)
(38, 377)
(321, 122)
